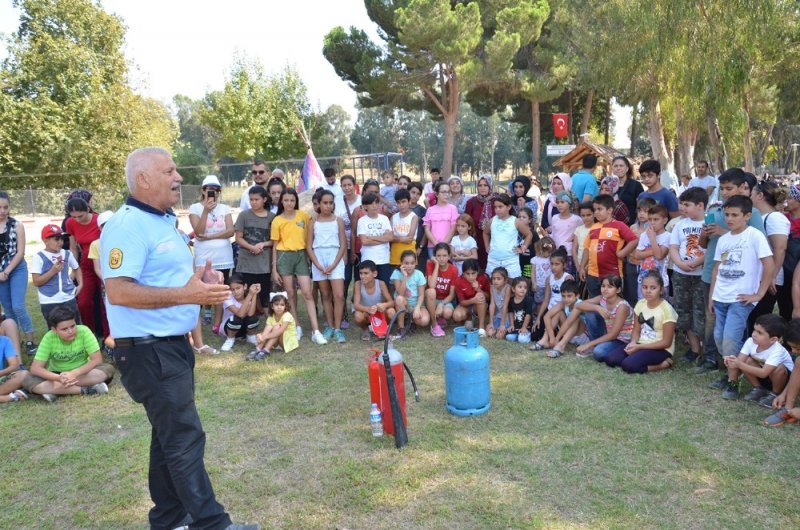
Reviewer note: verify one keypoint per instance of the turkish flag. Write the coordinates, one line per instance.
(561, 125)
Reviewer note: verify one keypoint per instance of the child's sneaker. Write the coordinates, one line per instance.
(50, 398)
(756, 394)
(437, 331)
(30, 347)
(731, 390)
(328, 332)
(251, 356)
(345, 324)
(18, 395)
(441, 322)
(252, 339)
(262, 355)
(299, 332)
(228, 344)
(481, 333)
(100, 388)
(690, 357)
(317, 338)
(767, 400)
(339, 336)
(780, 418)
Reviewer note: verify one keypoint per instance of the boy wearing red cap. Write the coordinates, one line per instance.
(50, 271)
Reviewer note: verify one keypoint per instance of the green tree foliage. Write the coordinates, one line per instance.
(255, 114)
(330, 132)
(194, 147)
(65, 102)
(433, 52)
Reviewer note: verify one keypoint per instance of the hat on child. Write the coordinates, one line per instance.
(51, 231)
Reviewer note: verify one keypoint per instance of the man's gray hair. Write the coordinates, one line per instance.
(138, 161)
(277, 173)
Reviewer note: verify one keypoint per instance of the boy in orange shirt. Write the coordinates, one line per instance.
(607, 243)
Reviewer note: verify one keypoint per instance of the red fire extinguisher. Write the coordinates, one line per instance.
(379, 387)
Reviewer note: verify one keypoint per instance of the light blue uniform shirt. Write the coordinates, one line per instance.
(756, 221)
(142, 243)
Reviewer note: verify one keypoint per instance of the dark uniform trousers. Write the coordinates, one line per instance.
(160, 376)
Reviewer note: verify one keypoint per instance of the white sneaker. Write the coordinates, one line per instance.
(317, 338)
(481, 332)
(299, 331)
(252, 339)
(228, 344)
(100, 388)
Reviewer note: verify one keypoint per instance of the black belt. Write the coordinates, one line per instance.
(130, 342)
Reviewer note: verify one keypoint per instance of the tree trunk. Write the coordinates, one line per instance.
(717, 142)
(571, 118)
(762, 146)
(536, 138)
(634, 132)
(747, 141)
(687, 137)
(587, 112)
(608, 120)
(657, 142)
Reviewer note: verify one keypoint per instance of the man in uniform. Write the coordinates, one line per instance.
(153, 298)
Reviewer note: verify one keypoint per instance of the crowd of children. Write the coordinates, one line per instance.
(620, 294)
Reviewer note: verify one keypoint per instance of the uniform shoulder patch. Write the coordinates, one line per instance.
(115, 258)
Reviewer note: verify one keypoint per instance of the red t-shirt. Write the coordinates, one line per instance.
(602, 243)
(84, 234)
(444, 281)
(465, 290)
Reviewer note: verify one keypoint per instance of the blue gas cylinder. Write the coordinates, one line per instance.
(466, 375)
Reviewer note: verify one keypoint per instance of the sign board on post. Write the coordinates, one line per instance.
(559, 150)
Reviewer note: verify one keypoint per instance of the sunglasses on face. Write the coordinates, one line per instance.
(258, 172)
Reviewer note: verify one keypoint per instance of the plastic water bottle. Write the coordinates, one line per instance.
(375, 421)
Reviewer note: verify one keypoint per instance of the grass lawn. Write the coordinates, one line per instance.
(568, 443)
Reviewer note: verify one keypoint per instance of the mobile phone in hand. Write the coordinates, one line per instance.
(211, 194)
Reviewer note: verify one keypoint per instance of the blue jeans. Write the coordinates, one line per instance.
(595, 325)
(602, 350)
(12, 297)
(729, 327)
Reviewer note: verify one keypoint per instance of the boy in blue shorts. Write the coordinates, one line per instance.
(12, 374)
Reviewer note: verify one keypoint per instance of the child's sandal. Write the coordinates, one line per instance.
(554, 354)
(537, 347)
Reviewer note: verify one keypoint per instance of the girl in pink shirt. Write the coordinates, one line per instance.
(562, 227)
(440, 219)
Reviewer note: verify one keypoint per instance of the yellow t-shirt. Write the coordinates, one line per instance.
(290, 233)
(652, 322)
(290, 335)
(94, 249)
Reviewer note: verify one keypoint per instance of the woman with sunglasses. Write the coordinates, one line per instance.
(212, 224)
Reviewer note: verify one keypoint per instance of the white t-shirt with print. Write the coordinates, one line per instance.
(775, 223)
(775, 355)
(219, 251)
(378, 226)
(650, 263)
(740, 267)
(462, 245)
(686, 236)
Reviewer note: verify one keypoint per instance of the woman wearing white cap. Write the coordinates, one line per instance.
(213, 228)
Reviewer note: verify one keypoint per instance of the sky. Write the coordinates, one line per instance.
(183, 47)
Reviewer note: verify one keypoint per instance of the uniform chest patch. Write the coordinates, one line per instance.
(115, 258)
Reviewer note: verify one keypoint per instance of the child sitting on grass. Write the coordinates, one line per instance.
(574, 333)
(279, 331)
(764, 362)
(472, 292)
(12, 374)
(520, 312)
(498, 308)
(239, 317)
(608, 318)
(552, 290)
(440, 293)
(653, 338)
(68, 360)
(409, 292)
(370, 296)
(785, 402)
